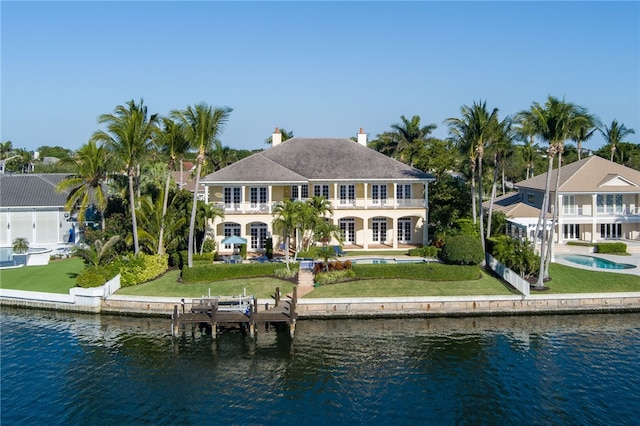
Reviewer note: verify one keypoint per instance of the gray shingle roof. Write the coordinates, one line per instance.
(310, 159)
(31, 190)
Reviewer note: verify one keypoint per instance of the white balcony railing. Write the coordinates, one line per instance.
(358, 204)
(574, 211)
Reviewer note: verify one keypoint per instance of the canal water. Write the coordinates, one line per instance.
(71, 369)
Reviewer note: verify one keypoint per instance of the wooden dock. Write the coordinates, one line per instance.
(241, 311)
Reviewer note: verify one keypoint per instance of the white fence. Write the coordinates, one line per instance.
(508, 275)
(78, 298)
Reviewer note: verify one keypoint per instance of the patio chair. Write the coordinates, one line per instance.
(338, 251)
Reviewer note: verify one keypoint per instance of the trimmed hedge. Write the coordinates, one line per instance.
(611, 247)
(334, 277)
(427, 251)
(419, 271)
(462, 250)
(220, 272)
(95, 276)
(140, 269)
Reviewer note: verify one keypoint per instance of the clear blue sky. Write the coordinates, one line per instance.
(319, 69)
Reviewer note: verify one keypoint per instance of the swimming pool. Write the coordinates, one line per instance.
(595, 262)
(383, 261)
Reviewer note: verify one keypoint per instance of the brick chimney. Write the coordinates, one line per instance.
(362, 137)
(276, 138)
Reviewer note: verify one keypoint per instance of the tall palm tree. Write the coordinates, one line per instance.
(584, 132)
(202, 125)
(473, 132)
(525, 131)
(173, 142)
(286, 222)
(555, 122)
(411, 137)
(129, 132)
(502, 143)
(86, 186)
(613, 135)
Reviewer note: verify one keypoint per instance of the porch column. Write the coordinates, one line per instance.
(335, 195)
(425, 232)
(366, 186)
(366, 230)
(594, 216)
(560, 218)
(243, 188)
(395, 195)
(394, 236)
(270, 198)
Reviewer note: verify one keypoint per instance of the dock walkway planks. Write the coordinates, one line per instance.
(243, 311)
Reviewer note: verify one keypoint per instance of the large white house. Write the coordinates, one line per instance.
(597, 200)
(377, 201)
(31, 208)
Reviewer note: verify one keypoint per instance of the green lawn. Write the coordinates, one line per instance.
(565, 279)
(486, 285)
(168, 285)
(59, 277)
(56, 277)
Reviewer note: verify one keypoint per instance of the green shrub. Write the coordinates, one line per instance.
(209, 246)
(140, 269)
(517, 255)
(611, 247)
(462, 250)
(333, 277)
(580, 243)
(95, 276)
(426, 251)
(466, 227)
(285, 274)
(221, 272)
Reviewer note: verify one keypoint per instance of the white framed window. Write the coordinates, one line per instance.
(258, 197)
(348, 228)
(347, 195)
(610, 230)
(569, 204)
(302, 194)
(232, 197)
(404, 230)
(571, 231)
(379, 229)
(258, 233)
(231, 229)
(403, 193)
(531, 198)
(379, 194)
(321, 191)
(610, 203)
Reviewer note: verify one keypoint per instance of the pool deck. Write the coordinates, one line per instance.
(633, 258)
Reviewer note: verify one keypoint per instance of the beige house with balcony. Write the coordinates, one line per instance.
(378, 202)
(597, 200)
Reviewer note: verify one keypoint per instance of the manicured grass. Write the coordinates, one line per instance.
(56, 277)
(486, 285)
(168, 286)
(565, 279)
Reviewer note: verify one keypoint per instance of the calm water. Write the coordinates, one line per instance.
(75, 370)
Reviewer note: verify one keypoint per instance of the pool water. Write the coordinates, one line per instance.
(596, 262)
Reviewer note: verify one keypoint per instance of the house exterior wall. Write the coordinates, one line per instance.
(41, 226)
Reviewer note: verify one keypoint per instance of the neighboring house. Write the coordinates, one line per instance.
(378, 202)
(597, 200)
(185, 179)
(31, 208)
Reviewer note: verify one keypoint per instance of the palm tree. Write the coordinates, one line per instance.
(472, 133)
(502, 143)
(6, 148)
(206, 212)
(172, 141)
(129, 132)
(99, 253)
(286, 222)
(86, 186)
(583, 133)
(202, 125)
(20, 245)
(613, 135)
(555, 122)
(411, 137)
(525, 131)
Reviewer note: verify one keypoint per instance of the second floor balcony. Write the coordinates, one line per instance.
(357, 204)
(581, 211)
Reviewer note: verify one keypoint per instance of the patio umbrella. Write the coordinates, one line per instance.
(234, 239)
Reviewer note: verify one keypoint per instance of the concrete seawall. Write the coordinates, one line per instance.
(376, 307)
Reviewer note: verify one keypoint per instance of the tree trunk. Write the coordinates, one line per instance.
(132, 206)
(493, 194)
(543, 216)
(480, 206)
(165, 202)
(554, 220)
(192, 223)
(473, 191)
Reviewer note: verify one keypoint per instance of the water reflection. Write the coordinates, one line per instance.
(108, 369)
